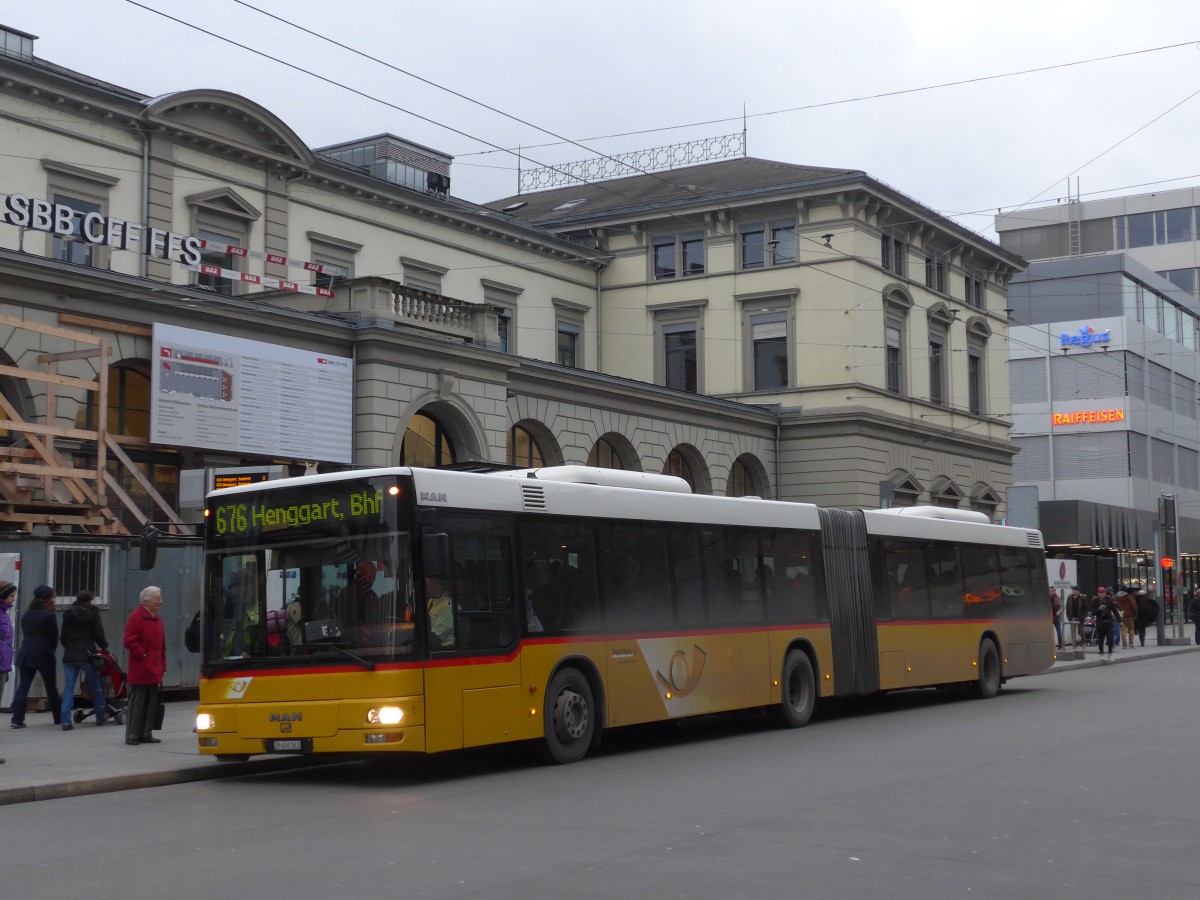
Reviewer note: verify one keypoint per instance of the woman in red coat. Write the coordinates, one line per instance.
(147, 645)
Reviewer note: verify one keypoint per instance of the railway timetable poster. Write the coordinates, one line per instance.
(227, 393)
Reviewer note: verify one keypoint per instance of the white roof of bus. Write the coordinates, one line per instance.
(508, 491)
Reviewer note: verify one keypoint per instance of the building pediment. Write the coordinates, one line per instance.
(224, 201)
(227, 121)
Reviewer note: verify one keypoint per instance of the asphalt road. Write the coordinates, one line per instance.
(1076, 785)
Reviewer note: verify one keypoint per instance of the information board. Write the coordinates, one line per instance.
(227, 393)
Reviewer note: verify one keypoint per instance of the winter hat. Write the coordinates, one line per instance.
(43, 592)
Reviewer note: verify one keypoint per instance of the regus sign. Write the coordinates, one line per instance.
(1085, 338)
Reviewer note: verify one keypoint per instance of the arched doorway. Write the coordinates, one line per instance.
(427, 443)
(747, 478)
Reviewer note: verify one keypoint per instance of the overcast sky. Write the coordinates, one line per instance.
(586, 70)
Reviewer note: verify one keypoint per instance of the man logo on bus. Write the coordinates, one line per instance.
(681, 679)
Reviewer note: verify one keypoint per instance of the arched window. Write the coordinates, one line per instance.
(742, 482)
(604, 455)
(678, 466)
(128, 415)
(523, 449)
(426, 443)
(128, 401)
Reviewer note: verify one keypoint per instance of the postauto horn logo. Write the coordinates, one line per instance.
(1086, 338)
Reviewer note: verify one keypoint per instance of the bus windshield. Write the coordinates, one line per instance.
(308, 580)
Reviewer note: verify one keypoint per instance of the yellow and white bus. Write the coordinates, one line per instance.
(425, 610)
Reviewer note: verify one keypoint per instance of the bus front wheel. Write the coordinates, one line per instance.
(988, 683)
(570, 716)
(799, 689)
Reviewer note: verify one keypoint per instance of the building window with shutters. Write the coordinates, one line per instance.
(975, 380)
(894, 356)
(937, 368)
(424, 276)
(978, 332)
(678, 345)
(896, 304)
(335, 258)
(769, 349)
(767, 335)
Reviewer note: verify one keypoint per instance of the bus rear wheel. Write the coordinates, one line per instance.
(988, 683)
(570, 717)
(799, 689)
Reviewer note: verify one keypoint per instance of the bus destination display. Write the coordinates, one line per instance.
(245, 514)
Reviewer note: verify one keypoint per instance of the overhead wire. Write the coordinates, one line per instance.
(496, 148)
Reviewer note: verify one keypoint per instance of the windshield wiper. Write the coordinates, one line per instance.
(365, 663)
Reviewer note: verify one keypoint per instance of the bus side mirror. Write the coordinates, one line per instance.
(435, 554)
(149, 547)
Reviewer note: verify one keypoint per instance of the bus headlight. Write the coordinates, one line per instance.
(386, 715)
(205, 722)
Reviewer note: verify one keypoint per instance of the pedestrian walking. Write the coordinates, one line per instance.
(8, 594)
(82, 634)
(1056, 616)
(1147, 614)
(1194, 612)
(1128, 606)
(1107, 615)
(39, 644)
(147, 645)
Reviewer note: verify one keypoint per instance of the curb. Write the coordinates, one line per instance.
(1059, 668)
(115, 783)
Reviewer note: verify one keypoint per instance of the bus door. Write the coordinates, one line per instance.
(472, 680)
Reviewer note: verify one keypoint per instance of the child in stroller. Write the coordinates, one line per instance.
(116, 691)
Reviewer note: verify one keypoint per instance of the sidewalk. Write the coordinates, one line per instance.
(1092, 656)
(43, 762)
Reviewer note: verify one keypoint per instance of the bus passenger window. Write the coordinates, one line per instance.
(793, 597)
(687, 578)
(1019, 598)
(636, 578)
(981, 580)
(904, 564)
(945, 581)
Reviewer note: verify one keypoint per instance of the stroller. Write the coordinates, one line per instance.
(116, 691)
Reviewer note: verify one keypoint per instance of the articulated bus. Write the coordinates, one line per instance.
(424, 610)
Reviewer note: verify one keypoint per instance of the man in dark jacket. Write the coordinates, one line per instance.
(147, 645)
(82, 633)
(39, 644)
(1108, 614)
(1147, 614)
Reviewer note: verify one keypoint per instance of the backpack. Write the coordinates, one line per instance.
(191, 637)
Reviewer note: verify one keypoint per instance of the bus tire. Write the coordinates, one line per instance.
(799, 689)
(987, 685)
(570, 717)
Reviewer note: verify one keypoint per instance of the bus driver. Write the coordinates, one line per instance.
(441, 612)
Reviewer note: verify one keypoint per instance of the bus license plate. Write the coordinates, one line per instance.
(289, 746)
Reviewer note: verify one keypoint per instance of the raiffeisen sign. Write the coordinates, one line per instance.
(1087, 337)
(1089, 417)
(93, 228)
